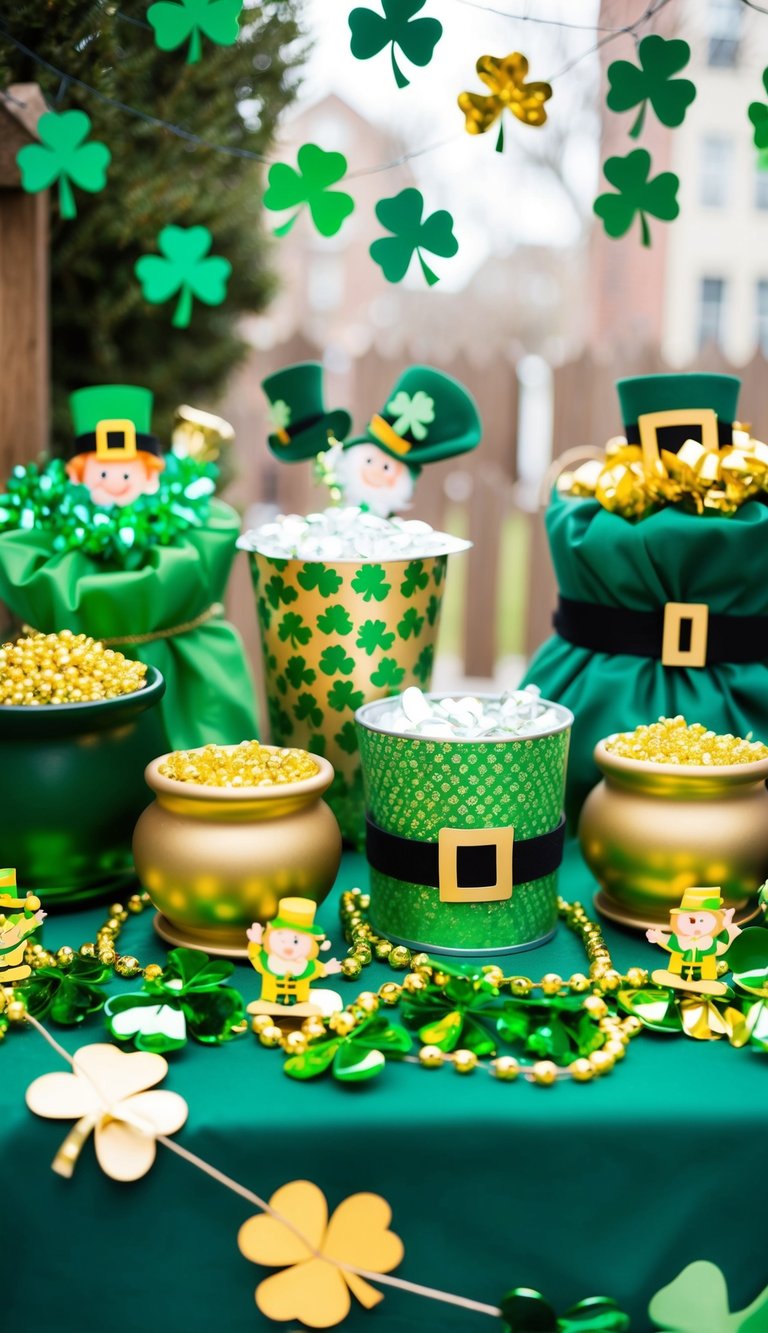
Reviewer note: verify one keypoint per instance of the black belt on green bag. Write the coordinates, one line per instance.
(680, 634)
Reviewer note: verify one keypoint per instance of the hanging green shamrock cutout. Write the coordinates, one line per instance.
(188, 999)
(416, 38)
(183, 268)
(309, 187)
(352, 1057)
(637, 195)
(526, 1311)
(697, 1302)
(758, 114)
(67, 995)
(63, 155)
(652, 82)
(411, 233)
(178, 21)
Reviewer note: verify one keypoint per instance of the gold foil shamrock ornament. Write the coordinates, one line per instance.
(505, 76)
(318, 1256)
(107, 1095)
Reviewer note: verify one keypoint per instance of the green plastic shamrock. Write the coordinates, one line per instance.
(550, 1028)
(335, 620)
(184, 267)
(316, 575)
(411, 233)
(355, 1058)
(453, 1015)
(526, 1311)
(63, 155)
(630, 86)
(636, 195)
(748, 961)
(697, 1302)
(374, 634)
(309, 187)
(416, 38)
(67, 995)
(414, 413)
(371, 582)
(178, 21)
(188, 999)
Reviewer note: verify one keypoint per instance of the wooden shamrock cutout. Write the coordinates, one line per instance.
(630, 86)
(309, 187)
(188, 998)
(637, 195)
(505, 76)
(697, 1302)
(183, 268)
(309, 1288)
(178, 21)
(758, 114)
(416, 38)
(63, 155)
(411, 233)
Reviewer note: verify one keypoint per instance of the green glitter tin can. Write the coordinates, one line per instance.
(465, 837)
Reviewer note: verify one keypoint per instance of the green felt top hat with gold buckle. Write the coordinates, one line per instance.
(114, 421)
(297, 914)
(663, 411)
(427, 416)
(300, 424)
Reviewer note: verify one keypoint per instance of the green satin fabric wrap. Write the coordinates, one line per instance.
(209, 692)
(668, 557)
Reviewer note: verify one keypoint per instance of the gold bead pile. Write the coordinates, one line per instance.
(672, 741)
(65, 668)
(248, 764)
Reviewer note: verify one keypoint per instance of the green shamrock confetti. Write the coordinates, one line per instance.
(315, 575)
(416, 37)
(187, 999)
(526, 1311)
(758, 114)
(293, 630)
(63, 155)
(67, 995)
(697, 1302)
(630, 86)
(355, 1058)
(374, 634)
(371, 582)
(184, 267)
(411, 233)
(335, 659)
(306, 709)
(343, 695)
(414, 578)
(454, 1015)
(388, 673)
(309, 187)
(346, 739)
(414, 413)
(335, 620)
(637, 195)
(178, 21)
(299, 673)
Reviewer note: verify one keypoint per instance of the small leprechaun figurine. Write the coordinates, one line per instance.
(286, 954)
(114, 454)
(19, 918)
(700, 932)
(301, 428)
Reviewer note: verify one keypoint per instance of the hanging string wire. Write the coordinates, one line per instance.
(629, 29)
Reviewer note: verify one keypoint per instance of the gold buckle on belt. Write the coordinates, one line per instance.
(450, 841)
(672, 655)
(650, 423)
(121, 429)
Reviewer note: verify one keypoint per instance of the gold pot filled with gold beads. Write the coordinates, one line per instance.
(231, 830)
(678, 806)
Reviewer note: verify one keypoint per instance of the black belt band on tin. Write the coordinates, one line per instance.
(617, 629)
(417, 862)
(672, 438)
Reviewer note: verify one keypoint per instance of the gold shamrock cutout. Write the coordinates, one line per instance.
(309, 1288)
(505, 76)
(107, 1094)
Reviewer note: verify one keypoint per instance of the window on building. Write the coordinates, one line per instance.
(761, 189)
(724, 28)
(715, 170)
(711, 304)
(761, 314)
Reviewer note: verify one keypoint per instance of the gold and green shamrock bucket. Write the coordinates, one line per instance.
(464, 837)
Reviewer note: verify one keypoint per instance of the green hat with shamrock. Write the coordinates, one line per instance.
(300, 423)
(663, 411)
(114, 421)
(427, 416)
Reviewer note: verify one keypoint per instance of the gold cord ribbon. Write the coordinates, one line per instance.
(215, 609)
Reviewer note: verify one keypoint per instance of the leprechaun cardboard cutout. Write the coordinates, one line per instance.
(115, 455)
(19, 919)
(700, 931)
(285, 953)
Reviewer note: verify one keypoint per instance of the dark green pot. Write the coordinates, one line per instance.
(71, 789)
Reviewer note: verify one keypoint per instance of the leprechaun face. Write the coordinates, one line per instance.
(290, 944)
(696, 925)
(369, 476)
(118, 481)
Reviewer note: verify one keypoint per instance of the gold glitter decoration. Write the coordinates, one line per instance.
(672, 741)
(248, 764)
(65, 668)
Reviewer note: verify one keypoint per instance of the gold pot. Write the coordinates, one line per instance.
(216, 859)
(650, 831)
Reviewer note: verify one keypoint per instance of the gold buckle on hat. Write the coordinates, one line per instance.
(650, 423)
(387, 435)
(449, 842)
(115, 426)
(672, 655)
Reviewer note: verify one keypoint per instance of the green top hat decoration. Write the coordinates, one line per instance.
(663, 411)
(301, 426)
(113, 420)
(428, 416)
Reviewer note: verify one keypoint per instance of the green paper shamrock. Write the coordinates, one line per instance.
(299, 673)
(315, 575)
(188, 999)
(758, 114)
(335, 659)
(309, 187)
(388, 673)
(374, 634)
(67, 995)
(411, 233)
(178, 21)
(63, 155)
(306, 707)
(413, 414)
(526, 1311)
(454, 1015)
(355, 1058)
(184, 267)
(293, 630)
(343, 696)
(371, 582)
(416, 38)
(413, 578)
(636, 195)
(697, 1302)
(652, 82)
(335, 620)
(346, 739)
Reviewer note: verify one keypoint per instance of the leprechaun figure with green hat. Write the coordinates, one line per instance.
(286, 954)
(115, 455)
(19, 919)
(700, 931)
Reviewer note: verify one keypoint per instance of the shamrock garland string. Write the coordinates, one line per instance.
(184, 269)
(403, 216)
(398, 27)
(309, 187)
(178, 21)
(63, 155)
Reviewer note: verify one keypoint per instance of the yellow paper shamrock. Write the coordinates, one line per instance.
(309, 1288)
(505, 76)
(106, 1093)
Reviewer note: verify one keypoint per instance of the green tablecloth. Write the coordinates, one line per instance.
(610, 1187)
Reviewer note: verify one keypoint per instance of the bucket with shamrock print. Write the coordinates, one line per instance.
(335, 636)
(464, 837)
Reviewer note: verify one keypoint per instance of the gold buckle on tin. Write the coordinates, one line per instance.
(450, 840)
(650, 423)
(116, 426)
(672, 655)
